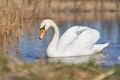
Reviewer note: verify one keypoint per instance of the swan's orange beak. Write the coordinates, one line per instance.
(42, 33)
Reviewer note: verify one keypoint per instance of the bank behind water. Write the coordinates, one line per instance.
(59, 9)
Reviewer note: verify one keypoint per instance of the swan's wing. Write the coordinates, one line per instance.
(70, 35)
(84, 41)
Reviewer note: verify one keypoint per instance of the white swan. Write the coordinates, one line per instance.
(76, 41)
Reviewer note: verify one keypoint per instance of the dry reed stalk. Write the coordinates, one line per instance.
(92, 69)
(104, 75)
(10, 20)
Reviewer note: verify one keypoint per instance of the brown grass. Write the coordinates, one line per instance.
(56, 71)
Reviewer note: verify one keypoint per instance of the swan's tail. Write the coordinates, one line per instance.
(99, 47)
(106, 44)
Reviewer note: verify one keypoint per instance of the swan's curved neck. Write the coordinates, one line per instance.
(54, 42)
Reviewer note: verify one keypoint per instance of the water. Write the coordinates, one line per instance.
(30, 48)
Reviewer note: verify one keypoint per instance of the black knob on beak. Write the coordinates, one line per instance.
(39, 38)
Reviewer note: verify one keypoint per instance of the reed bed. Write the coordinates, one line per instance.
(12, 20)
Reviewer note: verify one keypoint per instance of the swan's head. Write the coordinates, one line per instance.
(45, 24)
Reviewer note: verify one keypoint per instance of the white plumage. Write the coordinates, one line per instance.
(76, 41)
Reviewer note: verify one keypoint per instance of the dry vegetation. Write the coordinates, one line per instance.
(12, 14)
(11, 70)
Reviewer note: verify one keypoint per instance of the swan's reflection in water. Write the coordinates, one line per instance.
(100, 59)
(78, 60)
